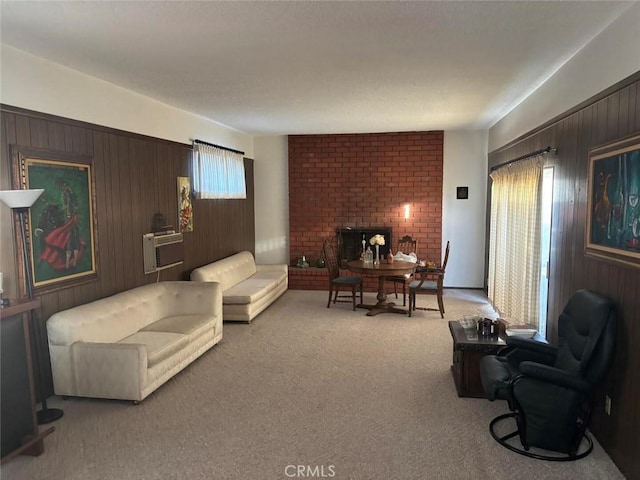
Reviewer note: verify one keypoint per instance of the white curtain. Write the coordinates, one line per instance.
(514, 244)
(217, 173)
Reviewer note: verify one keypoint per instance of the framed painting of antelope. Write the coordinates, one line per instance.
(613, 215)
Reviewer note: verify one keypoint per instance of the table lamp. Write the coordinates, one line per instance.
(20, 201)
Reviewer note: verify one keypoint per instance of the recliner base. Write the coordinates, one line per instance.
(502, 440)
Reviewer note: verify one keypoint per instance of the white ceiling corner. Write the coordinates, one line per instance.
(270, 67)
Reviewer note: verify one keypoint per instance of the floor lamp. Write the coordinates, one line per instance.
(20, 201)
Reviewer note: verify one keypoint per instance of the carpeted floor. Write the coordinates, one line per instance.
(341, 394)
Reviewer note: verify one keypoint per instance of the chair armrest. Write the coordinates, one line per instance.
(424, 271)
(558, 377)
(109, 370)
(272, 268)
(425, 275)
(523, 349)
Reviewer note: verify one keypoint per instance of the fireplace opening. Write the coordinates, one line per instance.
(350, 239)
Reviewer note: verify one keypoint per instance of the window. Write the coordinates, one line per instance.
(217, 173)
(514, 241)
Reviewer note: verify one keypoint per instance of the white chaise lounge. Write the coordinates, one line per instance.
(247, 288)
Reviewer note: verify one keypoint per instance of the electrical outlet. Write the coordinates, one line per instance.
(607, 404)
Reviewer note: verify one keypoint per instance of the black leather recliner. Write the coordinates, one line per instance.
(548, 388)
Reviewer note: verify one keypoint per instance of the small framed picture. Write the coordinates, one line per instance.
(185, 208)
(462, 193)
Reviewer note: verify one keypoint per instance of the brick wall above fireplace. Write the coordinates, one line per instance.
(365, 180)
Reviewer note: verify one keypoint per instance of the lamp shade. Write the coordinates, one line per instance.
(20, 198)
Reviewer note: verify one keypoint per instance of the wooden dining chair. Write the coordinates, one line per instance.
(406, 245)
(430, 281)
(336, 281)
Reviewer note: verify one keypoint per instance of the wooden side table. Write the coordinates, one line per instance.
(19, 424)
(468, 349)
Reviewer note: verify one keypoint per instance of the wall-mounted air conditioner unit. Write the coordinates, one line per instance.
(162, 251)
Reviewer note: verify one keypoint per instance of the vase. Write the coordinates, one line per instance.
(377, 259)
(390, 257)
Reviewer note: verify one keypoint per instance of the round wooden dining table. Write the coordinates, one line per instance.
(381, 270)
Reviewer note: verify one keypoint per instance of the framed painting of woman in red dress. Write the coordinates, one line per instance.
(62, 221)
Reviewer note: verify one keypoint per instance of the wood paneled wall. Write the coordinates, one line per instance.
(612, 114)
(135, 177)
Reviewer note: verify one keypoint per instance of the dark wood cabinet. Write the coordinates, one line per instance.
(468, 350)
(19, 432)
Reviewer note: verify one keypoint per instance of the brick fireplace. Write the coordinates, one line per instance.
(349, 241)
(362, 181)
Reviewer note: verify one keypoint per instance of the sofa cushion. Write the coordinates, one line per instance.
(271, 275)
(160, 345)
(112, 318)
(248, 291)
(228, 271)
(108, 319)
(253, 288)
(184, 324)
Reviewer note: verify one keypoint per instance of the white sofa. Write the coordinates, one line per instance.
(247, 288)
(127, 345)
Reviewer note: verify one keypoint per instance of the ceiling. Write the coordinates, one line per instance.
(269, 68)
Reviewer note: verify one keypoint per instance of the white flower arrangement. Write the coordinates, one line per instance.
(377, 240)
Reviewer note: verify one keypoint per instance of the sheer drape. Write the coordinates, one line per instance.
(514, 244)
(217, 173)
